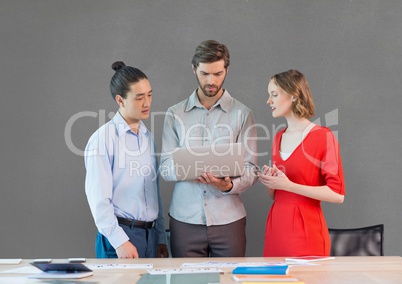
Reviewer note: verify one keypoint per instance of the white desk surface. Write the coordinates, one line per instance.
(341, 270)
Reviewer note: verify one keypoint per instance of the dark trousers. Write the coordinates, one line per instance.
(145, 240)
(189, 240)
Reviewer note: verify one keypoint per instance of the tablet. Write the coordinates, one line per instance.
(61, 270)
(222, 160)
(62, 267)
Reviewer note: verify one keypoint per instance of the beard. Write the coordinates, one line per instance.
(210, 93)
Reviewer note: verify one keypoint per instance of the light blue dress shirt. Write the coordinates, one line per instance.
(190, 123)
(122, 179)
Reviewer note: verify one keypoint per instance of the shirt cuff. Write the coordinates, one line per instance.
(118, 239)
(229, 190)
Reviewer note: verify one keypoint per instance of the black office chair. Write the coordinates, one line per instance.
(366, 241)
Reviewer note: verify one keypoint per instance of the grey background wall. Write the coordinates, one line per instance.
(55, 59)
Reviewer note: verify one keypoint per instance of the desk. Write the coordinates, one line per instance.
(341, 270)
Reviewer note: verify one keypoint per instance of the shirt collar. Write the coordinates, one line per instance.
(223, 102)
(123, 127)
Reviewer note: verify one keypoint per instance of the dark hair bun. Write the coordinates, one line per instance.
(117, 65)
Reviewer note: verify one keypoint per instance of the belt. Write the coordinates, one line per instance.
(136, 223)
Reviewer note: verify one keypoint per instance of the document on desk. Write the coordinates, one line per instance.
(119, 266)
(10, 260)
(228, 264)
(22, 270)
(13, 280)
(183, 271)
(304, 259)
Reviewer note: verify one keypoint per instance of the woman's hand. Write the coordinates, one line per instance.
(273, 178)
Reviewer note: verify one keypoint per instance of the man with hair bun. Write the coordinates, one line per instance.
(121, 182)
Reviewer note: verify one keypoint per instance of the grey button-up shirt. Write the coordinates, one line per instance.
(190, 123)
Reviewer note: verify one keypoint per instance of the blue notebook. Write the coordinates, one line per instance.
(268, 269)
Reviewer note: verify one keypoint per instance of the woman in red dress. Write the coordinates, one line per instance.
(307, 169)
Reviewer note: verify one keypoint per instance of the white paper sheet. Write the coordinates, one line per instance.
(10, 261)
(184, 271)
(228, 264)
(118, 266)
